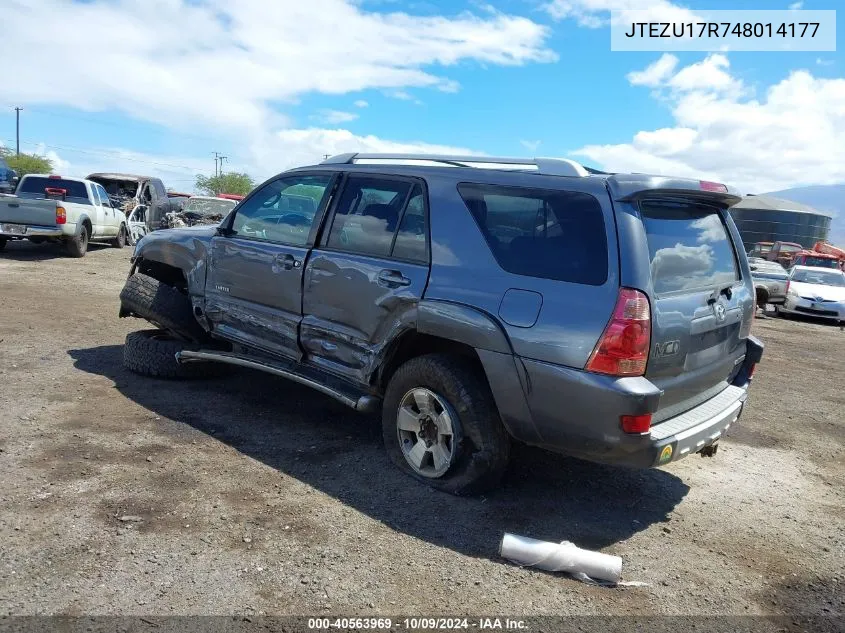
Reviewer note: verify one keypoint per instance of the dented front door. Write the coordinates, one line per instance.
(254, 285)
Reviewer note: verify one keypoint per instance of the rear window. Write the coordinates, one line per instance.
(541, 232)
(35, 186)
(688, 245)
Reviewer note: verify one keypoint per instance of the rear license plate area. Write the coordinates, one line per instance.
(13, 229)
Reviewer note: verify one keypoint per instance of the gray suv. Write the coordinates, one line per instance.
(474, 300)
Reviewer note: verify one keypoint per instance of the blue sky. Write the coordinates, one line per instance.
(158, 89)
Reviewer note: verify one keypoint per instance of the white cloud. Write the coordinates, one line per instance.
(655, 73)
(184, 63)
(709, 74)
(531, 146)
(790, 135)
(333, 117)
(306, 146)
(400, 94)
(361, 104)
(595, 13)
(824, 62)
(796, 6)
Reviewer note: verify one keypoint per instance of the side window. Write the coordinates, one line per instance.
(411, 238)
(283, 210)
(367, 215)
(104, 197)
(543, 233)
(95, 195)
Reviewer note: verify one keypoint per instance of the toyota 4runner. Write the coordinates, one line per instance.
(475, 301)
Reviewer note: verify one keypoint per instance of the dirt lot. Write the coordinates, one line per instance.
(251, 495)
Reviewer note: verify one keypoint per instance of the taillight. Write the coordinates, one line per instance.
(61, 215)
(712, 186)
(751, 371)
(623, 347)
(786, 292)
(636, 423)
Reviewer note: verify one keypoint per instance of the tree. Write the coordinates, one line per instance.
(232, 182)
(25, 164)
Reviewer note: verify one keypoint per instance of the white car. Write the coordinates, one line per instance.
(814, 291)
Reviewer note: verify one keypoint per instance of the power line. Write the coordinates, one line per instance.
(114, 124)
(106, 153)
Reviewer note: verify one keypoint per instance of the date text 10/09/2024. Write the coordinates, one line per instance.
(721, 29)
(417, 624)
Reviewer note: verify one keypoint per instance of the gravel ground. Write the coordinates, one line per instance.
(252, 495)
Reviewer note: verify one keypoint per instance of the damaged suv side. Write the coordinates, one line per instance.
(475, 301)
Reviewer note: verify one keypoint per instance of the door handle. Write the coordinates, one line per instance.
(286, 261)
(393, 279)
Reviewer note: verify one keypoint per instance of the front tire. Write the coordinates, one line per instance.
(152, 353)
(77, 246)
(440, 425)
(161, 305)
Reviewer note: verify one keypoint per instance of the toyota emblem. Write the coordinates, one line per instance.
(720, 312)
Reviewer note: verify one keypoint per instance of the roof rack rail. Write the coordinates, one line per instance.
(544, 166)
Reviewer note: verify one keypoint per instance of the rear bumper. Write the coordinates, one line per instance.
(21, 231)
(578, 413)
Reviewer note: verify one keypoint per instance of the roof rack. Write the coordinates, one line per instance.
(544, 166)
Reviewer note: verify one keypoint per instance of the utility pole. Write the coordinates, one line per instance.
(325, 157)
(222, 158)
(216, 157)
(18, 129)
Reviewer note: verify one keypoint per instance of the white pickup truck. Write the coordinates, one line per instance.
(49, 208)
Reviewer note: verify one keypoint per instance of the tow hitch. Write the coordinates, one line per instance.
(709, 451)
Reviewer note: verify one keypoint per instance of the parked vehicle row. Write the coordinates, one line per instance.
(475, 301)
(130, 204)
(72, 211)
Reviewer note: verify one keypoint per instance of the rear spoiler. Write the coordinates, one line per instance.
(631, 187)
(55, 193)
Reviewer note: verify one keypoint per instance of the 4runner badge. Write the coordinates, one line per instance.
(669, 348)
(222, 288)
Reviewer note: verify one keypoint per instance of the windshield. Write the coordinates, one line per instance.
(208, 206)
(821, 277)
(787, 248)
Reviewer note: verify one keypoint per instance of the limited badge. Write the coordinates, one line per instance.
(665, 454)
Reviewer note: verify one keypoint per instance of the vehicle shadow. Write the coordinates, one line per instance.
(339, 452)
(26, 251)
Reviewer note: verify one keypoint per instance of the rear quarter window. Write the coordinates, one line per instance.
(543, 233)
(689, 246)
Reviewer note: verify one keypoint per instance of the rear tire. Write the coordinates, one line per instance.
(120, 240)
(152, 353)
(77, 246)
(479, 449)
(161, 305)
